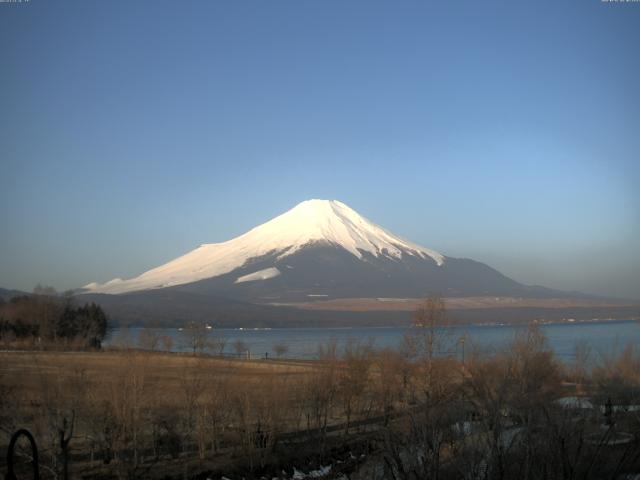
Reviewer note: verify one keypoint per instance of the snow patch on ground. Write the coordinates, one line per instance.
(319, 473)
(265, 274)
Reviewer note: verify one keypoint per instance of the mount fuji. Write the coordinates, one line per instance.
(323, 264)
(320, 249)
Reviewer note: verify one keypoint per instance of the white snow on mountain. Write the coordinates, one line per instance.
(265, 274)
(327, 221)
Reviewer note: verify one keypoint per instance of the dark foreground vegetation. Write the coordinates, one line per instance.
(46, 320)
(356, 413)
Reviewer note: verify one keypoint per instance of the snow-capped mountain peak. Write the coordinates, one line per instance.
(334, 222)
(312, 221)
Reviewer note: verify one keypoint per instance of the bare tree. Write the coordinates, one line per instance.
(388, 381)
(149, 339)
(217, 343)
(511, 392)
(320, 392)
(58, 411)
(280, 349)
(123, 338)
(240, 347)
(195, 337)
(427, 336)
(354, 378)
(192, 383)
(581, 360)
(216, 407)
(167, 343)
(427, 322)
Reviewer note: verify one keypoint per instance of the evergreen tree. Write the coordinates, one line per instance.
(51, 318)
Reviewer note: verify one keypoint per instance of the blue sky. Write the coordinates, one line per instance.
(507, 132)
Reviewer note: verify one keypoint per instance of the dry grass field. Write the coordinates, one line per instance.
(23, 371)
(125, 411)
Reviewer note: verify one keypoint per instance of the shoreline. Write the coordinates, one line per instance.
(569, 321)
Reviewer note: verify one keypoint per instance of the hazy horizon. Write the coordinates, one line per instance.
(499, 132)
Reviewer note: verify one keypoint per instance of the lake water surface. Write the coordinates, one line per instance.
(604, 338)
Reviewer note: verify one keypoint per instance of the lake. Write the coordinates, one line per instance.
(604, 338)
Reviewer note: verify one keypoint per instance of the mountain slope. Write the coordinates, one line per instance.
(320, 249)
(321, 271)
